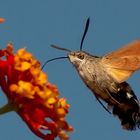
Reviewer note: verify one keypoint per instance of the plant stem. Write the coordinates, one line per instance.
(7, 108)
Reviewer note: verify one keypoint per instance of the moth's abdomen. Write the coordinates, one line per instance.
(129, 110)
(130, 119)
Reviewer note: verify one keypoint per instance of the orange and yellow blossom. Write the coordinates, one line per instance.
(2, 20)
(31, 95)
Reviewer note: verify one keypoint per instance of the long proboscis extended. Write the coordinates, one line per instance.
(60, 48)
(56, 58)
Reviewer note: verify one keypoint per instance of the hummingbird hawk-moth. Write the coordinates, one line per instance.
(106, 77)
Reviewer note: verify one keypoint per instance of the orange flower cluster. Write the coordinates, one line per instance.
(31, 95)
(2, 20)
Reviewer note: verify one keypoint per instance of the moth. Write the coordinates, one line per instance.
(106, 77)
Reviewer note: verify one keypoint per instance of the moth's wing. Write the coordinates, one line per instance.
(122, 63)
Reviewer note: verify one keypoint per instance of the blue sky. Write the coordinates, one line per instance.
(35, 24)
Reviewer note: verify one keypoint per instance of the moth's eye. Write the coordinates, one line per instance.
(80, 56)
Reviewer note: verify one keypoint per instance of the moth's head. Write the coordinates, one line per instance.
(77, 58)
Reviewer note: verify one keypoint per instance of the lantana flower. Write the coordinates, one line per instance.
(30, 94)
(2, 20)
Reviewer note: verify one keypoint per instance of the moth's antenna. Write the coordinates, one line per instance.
(59, 48)
(85, 32)
(63, 57)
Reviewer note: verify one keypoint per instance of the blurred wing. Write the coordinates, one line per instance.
(122, 63)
